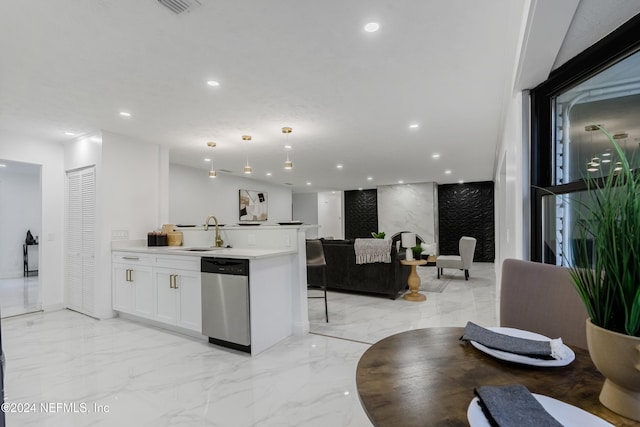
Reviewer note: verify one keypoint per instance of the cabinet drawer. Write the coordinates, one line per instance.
(132, 258)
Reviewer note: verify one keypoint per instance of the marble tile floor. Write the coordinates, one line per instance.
(77, 371)
(19, 295)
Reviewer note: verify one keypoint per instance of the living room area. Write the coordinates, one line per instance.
(364, 300)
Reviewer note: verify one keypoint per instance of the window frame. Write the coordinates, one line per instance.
(621, 43)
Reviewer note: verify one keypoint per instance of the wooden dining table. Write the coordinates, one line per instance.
(426, 377)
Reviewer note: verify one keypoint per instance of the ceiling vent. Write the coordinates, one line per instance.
(226, 170)
(179, 7)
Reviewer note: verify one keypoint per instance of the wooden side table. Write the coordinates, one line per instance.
(414, 280)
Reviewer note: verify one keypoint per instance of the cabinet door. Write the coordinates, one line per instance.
(141, 279)
(122, 289)
(189, 297)
(165, 296)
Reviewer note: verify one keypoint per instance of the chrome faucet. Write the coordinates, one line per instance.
(219, 241)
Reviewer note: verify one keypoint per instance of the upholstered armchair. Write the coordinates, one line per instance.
(463, 261)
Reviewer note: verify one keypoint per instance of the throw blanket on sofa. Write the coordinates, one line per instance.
(372, 250)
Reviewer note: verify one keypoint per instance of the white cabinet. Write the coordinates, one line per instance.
(133, 289)
(177, 297)
(162, 288)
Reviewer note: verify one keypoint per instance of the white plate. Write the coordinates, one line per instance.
(518, 358)
(567, 415)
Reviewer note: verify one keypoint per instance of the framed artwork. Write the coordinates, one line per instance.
(253, 205)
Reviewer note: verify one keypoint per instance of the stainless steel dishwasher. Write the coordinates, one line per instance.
(225, 302)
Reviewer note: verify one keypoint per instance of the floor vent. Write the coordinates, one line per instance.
(180, 6)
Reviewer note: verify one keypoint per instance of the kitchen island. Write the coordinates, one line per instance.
(162, 285)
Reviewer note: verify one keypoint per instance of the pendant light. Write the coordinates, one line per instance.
(288, 164)
(623, 145)
(247, 169)
(212, 172)
(594, 164)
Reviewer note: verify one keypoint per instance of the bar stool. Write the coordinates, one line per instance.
(315, 260)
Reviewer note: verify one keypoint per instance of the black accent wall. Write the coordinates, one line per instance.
(360, 213)
(467, 210)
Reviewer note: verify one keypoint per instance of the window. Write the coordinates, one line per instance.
(601, 86)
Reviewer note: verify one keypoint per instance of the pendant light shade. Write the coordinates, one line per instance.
(247, 169)
(212, 172)
(288, 164)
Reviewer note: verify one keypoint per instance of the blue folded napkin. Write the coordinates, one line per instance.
(552, 349)
(513, 406)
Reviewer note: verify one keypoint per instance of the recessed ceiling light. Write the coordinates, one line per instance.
(401, 182)
(308, 183)
(372, 27)
(414, 126)
(207, 160)
(125, 114)
(448, 171)
(360, 188)
(339, 166)
(213, 83)
(461, 181)
(287, 147)
(435, 155)
(269, 174)
(369, 178)
(3, 166)
(70, 133)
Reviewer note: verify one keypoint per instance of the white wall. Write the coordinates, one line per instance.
(193, 196)
(330, 214)
(20, 210)
(129, 202)
(305, 209)
(510, 182)
(50, 155)
(408, 207)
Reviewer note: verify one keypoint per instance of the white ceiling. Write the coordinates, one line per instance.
(350, 96)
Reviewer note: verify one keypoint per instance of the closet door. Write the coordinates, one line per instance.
(80, 238)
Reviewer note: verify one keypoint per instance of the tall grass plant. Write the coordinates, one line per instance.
(610, 218)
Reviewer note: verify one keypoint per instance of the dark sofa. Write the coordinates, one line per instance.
(389, 279)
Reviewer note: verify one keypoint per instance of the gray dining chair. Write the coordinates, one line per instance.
(463, 261)
(315, 260)
(541, 298)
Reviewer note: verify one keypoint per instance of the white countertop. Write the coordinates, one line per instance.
(249, 227)
(214, 252)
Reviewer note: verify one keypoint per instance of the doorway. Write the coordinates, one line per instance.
(20, 213)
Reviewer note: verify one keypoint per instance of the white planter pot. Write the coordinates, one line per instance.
(617, 357)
